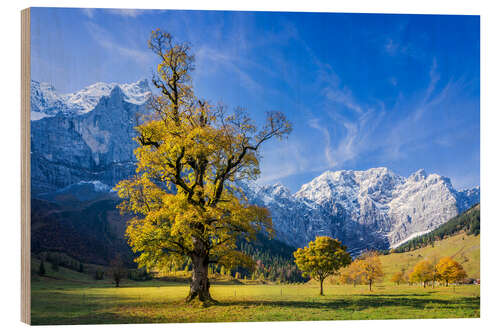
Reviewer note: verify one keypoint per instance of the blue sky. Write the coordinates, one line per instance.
(361, 90)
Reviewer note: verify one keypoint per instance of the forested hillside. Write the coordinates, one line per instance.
(274, 260)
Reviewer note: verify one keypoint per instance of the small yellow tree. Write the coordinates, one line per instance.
(352, 274)
(397, 277)
(450, 271)
(422, 272)
(371, 267)
(400, 277)
(117, 270)
(322, 258)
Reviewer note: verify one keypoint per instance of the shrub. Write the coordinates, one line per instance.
(99, 275)
(41, 269)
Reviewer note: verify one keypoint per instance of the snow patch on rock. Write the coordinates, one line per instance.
(415, 234)
(98, 186)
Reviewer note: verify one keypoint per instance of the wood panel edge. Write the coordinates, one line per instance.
(25, 167)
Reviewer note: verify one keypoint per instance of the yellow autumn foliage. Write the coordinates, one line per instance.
(450, 271)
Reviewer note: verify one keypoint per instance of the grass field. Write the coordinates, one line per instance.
(463, 248)
(69, 297)
(72, 303)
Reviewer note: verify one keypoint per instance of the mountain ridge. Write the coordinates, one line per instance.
(389, 207)
(47, 102)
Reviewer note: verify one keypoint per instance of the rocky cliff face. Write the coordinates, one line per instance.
(75, 145)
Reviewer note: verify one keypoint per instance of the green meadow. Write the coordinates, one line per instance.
(159, 302)
(69, 297)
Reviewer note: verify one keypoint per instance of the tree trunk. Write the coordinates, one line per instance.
(370, 285)
(321, 288)
(200, 286)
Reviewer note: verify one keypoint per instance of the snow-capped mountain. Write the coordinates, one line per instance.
(70, 144)
(46, 102)
(373, 208)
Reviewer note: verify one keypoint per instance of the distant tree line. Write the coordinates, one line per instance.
(468, 222)
(57, 260)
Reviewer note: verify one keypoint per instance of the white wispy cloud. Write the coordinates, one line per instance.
(104, 39)
(127, 12)
(394, 48)
(398, 45)
(408, 130)
(352, 136)
(391, 46)
(331, 85)
(355, 128)
(350, 123)
(342, 96)
(210, 60)
(315, 123)
(282, 160)
(89, 12)
(347, 135)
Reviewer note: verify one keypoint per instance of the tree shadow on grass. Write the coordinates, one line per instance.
(361, 303)
(390, 295)
(138, 315)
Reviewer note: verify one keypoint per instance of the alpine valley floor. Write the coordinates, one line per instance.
(76, 303)
(68, 297)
